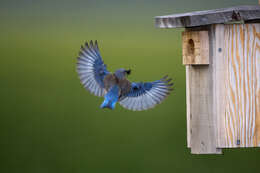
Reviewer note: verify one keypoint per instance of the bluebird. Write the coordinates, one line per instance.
(115, 87)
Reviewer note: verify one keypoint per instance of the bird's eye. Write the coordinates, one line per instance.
(128, 72)
(135, 88)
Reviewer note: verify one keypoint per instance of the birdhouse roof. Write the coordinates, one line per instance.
(244, 14)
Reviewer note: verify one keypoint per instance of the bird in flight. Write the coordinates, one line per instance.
(115, 87)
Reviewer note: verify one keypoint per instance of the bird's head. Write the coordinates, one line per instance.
(121, 73)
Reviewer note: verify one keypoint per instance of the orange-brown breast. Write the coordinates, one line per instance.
(124, 85)
(109, 81)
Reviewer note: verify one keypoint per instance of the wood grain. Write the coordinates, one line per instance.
(202, 135)
(195, 47)
(188, 113)
(240, 121)
(201, 125)
(219, 78)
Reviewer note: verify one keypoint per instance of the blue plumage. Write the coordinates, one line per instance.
(91, 69)
(114, 86)
(111, 98)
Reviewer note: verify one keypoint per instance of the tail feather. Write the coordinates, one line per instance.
(108, 104)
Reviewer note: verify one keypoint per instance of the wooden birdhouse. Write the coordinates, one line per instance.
(221, 52)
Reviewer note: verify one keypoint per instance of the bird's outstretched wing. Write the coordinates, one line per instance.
(91, 68)
(146, 95)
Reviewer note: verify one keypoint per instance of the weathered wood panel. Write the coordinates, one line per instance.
(208, 17)
(188, 104)
(241, 117)
(195, 47)
(202, 125)
(219, 78)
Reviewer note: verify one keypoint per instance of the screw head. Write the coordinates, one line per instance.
(238, 142)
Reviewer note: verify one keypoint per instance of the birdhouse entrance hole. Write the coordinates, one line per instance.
(190, 47)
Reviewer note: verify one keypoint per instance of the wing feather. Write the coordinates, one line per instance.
(146, 95)
(91, 68)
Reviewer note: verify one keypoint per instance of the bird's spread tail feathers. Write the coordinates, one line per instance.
(111, 98)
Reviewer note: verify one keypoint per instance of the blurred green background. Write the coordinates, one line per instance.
(50, 123)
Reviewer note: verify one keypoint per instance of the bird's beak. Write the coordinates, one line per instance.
(128, 72)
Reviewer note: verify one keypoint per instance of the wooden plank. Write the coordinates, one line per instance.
(215, 41)
(202, 137)
(201, 125)
(200, 134)
(208, 17)
(219, 78)
(241, 116)
(188, 113)
(195, 47)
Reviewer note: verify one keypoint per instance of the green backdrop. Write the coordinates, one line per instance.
(50, 123)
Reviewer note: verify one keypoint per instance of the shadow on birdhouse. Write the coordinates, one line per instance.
(221, 53)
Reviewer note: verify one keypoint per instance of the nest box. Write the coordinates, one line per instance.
(221, 52)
